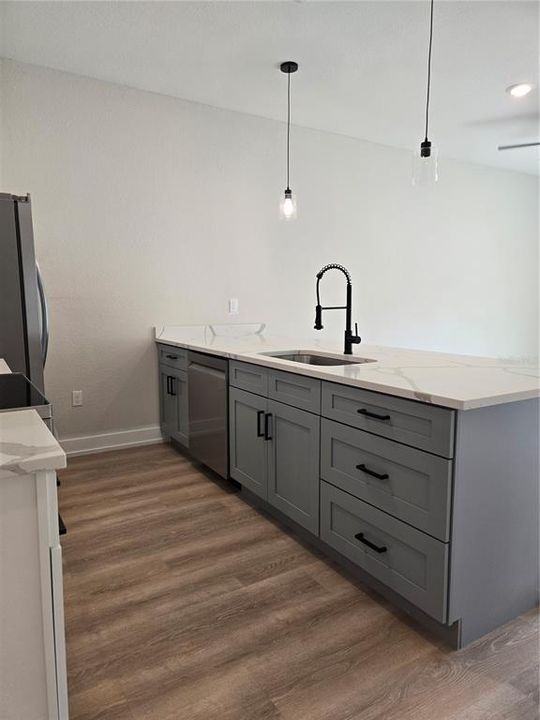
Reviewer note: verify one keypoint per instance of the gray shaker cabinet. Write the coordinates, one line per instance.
(293, 464)
(248, 447)
(173, 400)
(166, 402)
(274, 452)
(437, 509)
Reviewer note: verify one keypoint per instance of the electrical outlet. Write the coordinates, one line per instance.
(233, 306)
(76, 398)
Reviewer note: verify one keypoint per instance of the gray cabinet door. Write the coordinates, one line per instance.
(167, 402)
(179, 392)
(248, 447)
(293, 464)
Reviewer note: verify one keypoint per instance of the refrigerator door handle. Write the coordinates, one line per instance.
(44, 308)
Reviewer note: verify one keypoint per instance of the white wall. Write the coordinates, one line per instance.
(2, 133)
(149, 210)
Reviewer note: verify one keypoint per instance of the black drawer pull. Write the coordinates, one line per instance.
(373, 415)
(378, 548)
(172, 357)
(374, 474)
(260, 415)
(267, 425)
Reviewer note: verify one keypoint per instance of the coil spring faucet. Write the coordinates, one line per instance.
(350, 339)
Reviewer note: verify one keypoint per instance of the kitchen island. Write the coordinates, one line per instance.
(33, 682)
(416, 470)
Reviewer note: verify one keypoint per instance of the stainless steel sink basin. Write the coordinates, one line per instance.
(311, 358)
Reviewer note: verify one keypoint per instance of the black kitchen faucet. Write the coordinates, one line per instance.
(350, 339)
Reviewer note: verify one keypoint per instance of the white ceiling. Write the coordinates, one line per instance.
(362, 64)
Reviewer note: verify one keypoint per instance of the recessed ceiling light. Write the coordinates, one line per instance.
(519, 90)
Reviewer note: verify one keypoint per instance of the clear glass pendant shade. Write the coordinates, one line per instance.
(287, 206)
(425, 165)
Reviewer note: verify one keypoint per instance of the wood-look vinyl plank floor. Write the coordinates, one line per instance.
(183, 602)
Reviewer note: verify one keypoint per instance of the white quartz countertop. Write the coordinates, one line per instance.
(461, 382)
(26, 443)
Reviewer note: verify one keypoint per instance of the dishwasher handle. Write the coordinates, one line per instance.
(196, 367)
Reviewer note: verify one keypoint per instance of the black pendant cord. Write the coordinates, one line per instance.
(289, 67)
(288, 126)
(428, 90)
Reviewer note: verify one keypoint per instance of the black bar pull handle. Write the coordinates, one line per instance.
(379, 476)
(172, 357)
(168, 384)
(267, 426)
(373, 415)
(378, 548)
(173, 385)
(260, 415)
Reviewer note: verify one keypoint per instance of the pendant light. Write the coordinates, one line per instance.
(287, 205)
(425, 171)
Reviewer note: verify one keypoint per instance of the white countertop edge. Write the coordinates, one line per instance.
(27, 446)
(313, 371)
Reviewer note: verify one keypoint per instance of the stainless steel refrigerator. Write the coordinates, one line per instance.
(24, 326)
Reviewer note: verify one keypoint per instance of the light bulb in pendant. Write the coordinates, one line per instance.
(287, 206)
(425, 165)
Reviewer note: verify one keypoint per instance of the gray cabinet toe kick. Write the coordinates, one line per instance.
(437, 509)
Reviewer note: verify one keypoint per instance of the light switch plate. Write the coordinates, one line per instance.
(76, 398)
(233, 306)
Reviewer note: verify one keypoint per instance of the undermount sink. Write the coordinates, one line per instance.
(309, 358)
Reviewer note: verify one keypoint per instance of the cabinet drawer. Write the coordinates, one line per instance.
(296, 390)
(245, 376)
(412, 485)
(427, 427)
(410, 562)
(173, 356)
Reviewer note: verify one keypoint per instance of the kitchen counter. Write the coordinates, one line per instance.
(460, 382)
(26, 444)
(31, 601)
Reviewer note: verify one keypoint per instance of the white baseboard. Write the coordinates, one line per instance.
(101, 442)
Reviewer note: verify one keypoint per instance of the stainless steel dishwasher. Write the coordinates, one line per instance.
(208, 411)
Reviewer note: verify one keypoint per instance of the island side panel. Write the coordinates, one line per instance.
(494, 560)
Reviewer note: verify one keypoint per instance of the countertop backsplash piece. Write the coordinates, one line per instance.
(461, 382)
